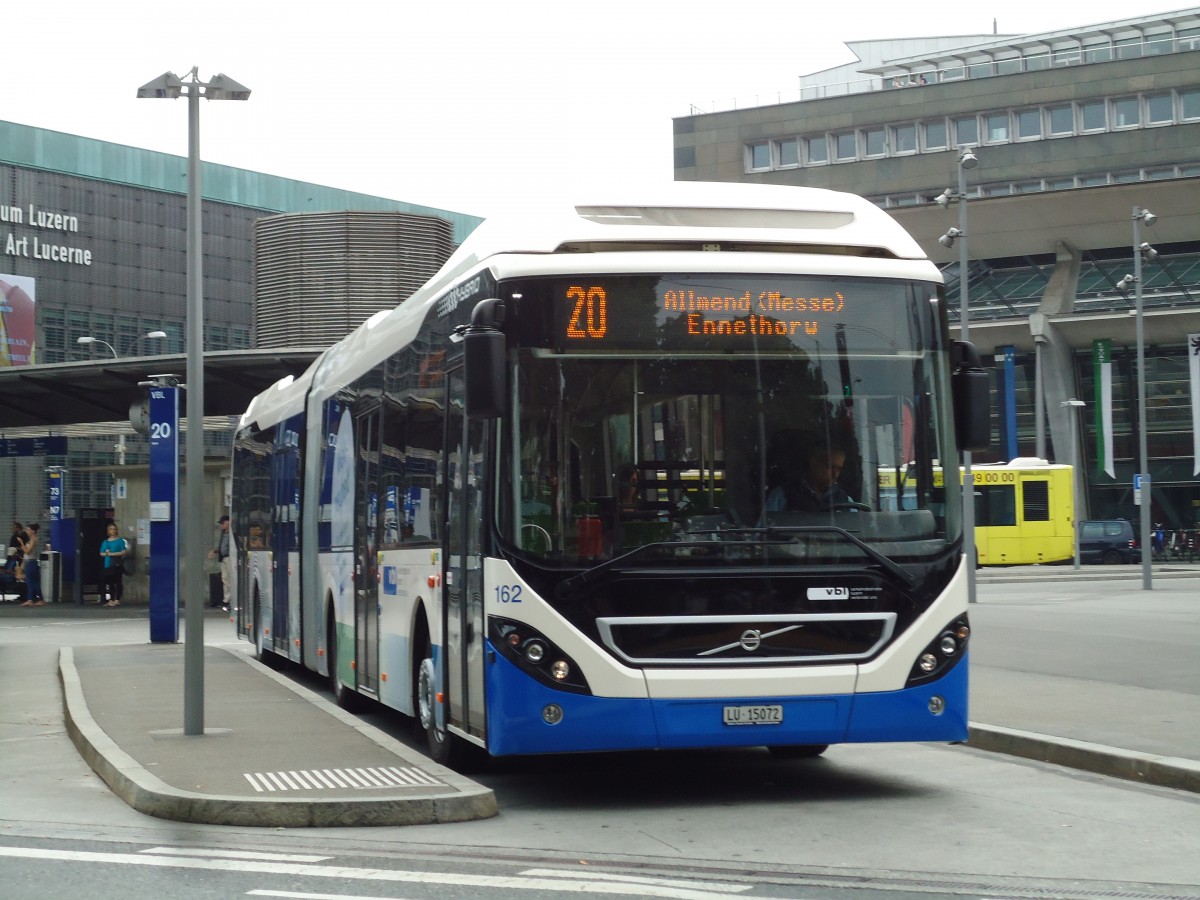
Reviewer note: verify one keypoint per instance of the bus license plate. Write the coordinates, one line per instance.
(754, 715)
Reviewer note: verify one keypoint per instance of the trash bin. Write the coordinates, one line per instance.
(51, 575)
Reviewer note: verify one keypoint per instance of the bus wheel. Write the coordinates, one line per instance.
(343, 696)
(444, 748)
(799, 751)
(260, 645)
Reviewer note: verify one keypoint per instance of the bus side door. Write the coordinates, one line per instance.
(463, 592)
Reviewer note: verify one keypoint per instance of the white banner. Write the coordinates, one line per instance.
(1193, 348)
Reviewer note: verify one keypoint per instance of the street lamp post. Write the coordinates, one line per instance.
(169, 86)
(1139, 249)
(88, 339)
(966, 160)
(1074, 405)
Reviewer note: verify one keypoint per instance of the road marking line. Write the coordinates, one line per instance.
(588, 885)
(234, 854)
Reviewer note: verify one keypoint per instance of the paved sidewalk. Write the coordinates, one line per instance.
(272, 754)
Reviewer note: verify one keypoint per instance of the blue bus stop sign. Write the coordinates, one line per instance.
(164, 509)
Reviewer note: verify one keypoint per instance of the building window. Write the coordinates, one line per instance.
(1160, 110)
(1159, 174)
(875, 141)
(1029, 124)
(1128, 48)
(1127, 177)
(1092, 117)
(1061, 119)
(760, 156)
(1189, 104)
(1028, 187)
(818, 150)
(997, 128)
(1059, 184)
(1092, 180)
(1008, 66)
(966, 131)
(1097, 51)
(1037, 62)
(789, 152)
(847, 145)
(1125, 112)
(904, 139)
(935, 133)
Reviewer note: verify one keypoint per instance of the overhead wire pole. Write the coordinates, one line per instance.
(1142, 215)
(966, 160)
(220, 88)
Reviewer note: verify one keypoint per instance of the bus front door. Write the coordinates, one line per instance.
(463, 606)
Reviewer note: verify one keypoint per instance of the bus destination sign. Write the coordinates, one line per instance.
(666, 313)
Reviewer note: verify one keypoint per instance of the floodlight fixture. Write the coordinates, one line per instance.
(1147, 251)
(166, 86)
(968, 160)
(948, 239)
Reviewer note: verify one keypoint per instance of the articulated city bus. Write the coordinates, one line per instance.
(1024, 510)
(558, 499)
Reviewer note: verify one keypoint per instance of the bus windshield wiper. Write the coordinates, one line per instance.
(587, 576)
(760, 536)
(883, 561)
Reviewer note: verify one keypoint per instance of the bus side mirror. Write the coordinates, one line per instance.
(484, 351)
(971, 392)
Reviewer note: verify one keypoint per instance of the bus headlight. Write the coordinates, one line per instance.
(536, 655)
(942, 654)
(535, 652)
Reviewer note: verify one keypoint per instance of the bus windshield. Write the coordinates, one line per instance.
(651, 422)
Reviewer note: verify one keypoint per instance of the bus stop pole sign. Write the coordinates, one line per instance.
(164, 506)
(1138, 482)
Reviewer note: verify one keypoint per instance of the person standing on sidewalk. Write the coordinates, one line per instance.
(31, 547)
(113, 549)
(223, 553)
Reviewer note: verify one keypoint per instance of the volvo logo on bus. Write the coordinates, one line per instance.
(751, 640)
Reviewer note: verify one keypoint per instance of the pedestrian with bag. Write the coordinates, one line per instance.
(113, 550)
(31, 548)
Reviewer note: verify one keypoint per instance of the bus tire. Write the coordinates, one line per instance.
(443, 748)
(260, 644)
(798, 751)
(343, 696)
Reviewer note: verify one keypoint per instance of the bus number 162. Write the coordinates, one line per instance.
(590, 316)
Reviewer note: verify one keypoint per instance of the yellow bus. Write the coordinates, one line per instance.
(1024, 510)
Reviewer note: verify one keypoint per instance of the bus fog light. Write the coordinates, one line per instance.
(928, 662)
(552, 713)
(560, 670)
(514, 639)
(948, 645)
(937, 705)
(535, 651)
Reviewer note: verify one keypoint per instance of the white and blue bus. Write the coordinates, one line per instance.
(557, 499)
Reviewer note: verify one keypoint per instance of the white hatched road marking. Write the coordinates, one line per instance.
(329, 779)
(567, 881)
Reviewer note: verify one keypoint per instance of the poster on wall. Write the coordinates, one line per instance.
(18, 322)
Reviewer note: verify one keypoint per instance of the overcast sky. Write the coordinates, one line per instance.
(460, 105)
